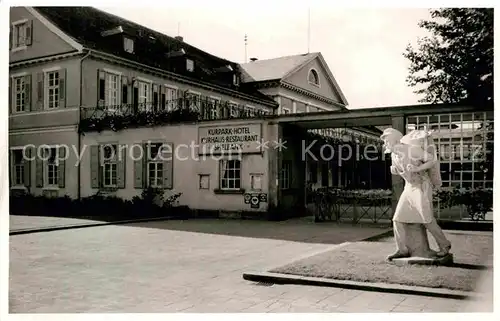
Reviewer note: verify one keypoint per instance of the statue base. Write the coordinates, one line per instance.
(445, 260)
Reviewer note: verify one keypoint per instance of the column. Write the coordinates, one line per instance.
(274, 133)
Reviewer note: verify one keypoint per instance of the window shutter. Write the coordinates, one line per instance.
(27, 169)
(124, 90)
(62, 88)
(101, 87)
(94, 166)
(38, 172)
(29, 33)
(155, 97)
(10, 37)
(135, 95)
(10, 93)
(61, 168)
(11, 167)
(121, 167)
(27, 88)
(180, 100)
(40, 91)
(139, 165)
(168, 169)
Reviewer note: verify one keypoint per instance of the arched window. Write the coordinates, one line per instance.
(313, 77)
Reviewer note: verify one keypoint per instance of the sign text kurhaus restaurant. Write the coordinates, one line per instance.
(240, 138)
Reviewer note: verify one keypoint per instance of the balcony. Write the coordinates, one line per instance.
(191, 109)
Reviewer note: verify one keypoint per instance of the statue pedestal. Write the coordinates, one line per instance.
(416, 240)
(417, 243)
(445, 260)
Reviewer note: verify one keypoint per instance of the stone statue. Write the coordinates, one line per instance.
(414, 158)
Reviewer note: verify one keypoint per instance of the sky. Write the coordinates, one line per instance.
(362, 46)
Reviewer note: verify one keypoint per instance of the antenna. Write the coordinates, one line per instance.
(178, 28)
(308, 29)
(246, 43)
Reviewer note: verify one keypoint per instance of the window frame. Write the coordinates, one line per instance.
(47, 88)
(13, 169)
(15, 34)
(222, 173)
(190, 63)
(170, 104)
(214, 108)
(46, 167)
(128, 40)
(14, 93)
(110, 165)
(158, 162)
(107, 89)
(315, 74)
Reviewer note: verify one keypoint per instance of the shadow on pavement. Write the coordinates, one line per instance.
(302, 230)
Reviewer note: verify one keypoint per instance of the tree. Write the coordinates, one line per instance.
(455, 63)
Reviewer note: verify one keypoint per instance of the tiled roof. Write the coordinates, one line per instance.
(273, 69)
(85, 24)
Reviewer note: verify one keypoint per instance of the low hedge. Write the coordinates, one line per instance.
(100, 207)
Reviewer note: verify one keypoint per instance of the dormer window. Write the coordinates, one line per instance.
(313, 77)
(189, 65)
(236, 80)
(128, 45)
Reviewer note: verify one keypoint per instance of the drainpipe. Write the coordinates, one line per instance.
(79, 118)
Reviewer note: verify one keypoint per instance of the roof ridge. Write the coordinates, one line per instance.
(281, 57)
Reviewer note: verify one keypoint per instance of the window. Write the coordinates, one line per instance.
(234, 111)
(21, 34)
(128, 45)
(17, 167)
(171, 97)
(109, 165)
(50, 178)
(213, 105)
(286, 174)
(20, 94)
(155, 165)
(52, 89)
(230, 174)
(313, 77)
(236, 80)
(194, 100)
(112, 91)
(189, 65)
(464, 144)
(144, 95)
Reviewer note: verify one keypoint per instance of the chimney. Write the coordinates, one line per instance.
(179, 38)
(253, 59)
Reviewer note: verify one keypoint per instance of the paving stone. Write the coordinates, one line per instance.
(166, 267)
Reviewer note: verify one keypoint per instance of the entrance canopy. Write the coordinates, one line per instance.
(368, 116)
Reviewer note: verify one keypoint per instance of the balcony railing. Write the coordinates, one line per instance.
(190, 109)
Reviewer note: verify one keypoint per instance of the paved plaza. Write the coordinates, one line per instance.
(186, 266)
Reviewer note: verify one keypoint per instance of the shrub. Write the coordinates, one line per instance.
(151, 203)
(478, 201)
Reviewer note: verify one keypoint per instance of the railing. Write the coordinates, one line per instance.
(351, 205)
(190, 109)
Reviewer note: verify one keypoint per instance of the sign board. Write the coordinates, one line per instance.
(232, 139)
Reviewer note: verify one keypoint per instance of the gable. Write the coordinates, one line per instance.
(36, 45)
(300, 78)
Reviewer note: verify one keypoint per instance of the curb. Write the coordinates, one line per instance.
(278, 278)
(76, 226)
